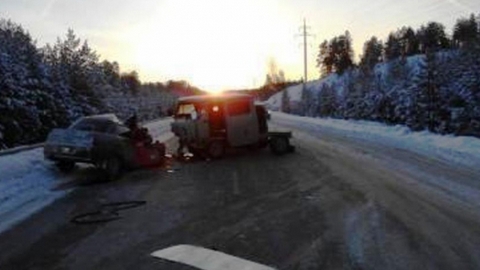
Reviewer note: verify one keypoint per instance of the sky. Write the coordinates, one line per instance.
(222, 44)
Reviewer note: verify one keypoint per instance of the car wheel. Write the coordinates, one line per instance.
(65, 166)
(279, 145)
(113, 167)
(216, 149)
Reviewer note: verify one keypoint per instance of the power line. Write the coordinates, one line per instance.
(305, 34)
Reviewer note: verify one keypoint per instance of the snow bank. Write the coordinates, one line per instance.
(460, 150)
(27, 180)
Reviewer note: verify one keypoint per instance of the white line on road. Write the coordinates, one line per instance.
(206, 259)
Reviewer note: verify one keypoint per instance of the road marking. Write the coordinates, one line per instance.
(206, 259)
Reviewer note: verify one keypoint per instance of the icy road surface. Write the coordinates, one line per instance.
(28, 182)
(354, 196)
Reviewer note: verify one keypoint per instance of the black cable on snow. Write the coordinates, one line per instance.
(106, 212)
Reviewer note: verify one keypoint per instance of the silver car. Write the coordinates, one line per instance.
(101, 140)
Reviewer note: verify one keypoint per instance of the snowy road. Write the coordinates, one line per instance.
(420, 193)
(353, 196)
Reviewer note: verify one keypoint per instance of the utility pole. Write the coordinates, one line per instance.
(304, 33)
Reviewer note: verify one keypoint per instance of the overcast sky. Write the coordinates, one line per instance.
(221, 44)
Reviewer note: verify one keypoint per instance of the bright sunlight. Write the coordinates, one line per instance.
(216, 45)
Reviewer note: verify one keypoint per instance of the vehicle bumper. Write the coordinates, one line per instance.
(65, 153)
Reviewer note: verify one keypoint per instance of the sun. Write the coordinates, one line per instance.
(215, 45)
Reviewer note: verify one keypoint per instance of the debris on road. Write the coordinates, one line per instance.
(107, 212)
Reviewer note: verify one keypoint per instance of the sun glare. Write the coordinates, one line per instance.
(215, 45)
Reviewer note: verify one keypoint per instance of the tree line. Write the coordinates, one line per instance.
(50, 86)
(423, 78)
(337, 56)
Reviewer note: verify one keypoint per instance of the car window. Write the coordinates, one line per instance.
(187, 110)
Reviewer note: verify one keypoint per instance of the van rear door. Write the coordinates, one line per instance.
(242, 125)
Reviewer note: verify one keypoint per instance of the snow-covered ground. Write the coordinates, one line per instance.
(461, 150)
(27, 180)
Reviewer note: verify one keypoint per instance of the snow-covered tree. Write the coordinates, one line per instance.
(50, 87)
(307, 102)
(285, 102)
(25, 99)
(327, 101)
(424, 90)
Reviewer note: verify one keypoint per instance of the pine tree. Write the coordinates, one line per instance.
(131, 82)
(393, 49)
(285, 102)
(372, 54)
(307, 102)
(327, 101)
(111, 72)
(417, 118)
(433, 37)
(409, 41)
(433, 97)
(325, 59)
(336, 55)
(467, 86)
(343, 53)
(22, 97)
(354, 105)
(77, 70)
(426, 110)
(465, 32)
